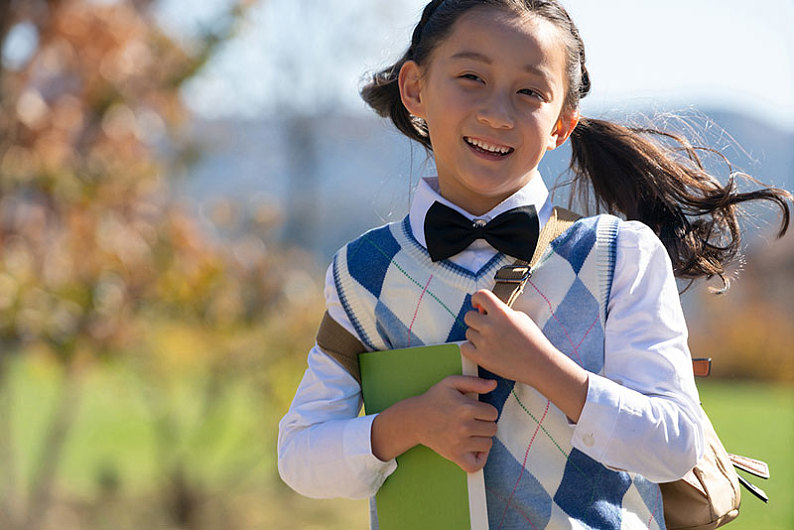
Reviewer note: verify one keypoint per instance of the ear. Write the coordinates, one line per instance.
(410, 83)
(563, 129)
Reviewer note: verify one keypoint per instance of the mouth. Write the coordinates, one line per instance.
(487, 148)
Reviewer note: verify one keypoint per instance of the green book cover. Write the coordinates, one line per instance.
(426, 490)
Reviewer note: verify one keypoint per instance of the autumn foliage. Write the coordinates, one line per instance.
(89, 230)
(100, 258)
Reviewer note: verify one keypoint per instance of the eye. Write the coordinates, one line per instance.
(470, 77)
(532, 93)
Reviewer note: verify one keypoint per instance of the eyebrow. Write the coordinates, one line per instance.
(476, 56)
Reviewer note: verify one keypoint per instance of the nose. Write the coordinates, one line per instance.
(495, 111)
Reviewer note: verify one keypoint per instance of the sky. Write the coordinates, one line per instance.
(311, 55)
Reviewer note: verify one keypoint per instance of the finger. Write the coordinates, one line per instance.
(472, 351)
(480, 458)
(468, 349)
(474, 319)
(486, 300)
(483, 428)
(473, 461)
(486, 412)
(473, 336)
(466, 384)
(478, 301)
(480, 444)
(478, 308)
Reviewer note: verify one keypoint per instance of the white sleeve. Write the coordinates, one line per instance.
(643, 414)
(324, 447)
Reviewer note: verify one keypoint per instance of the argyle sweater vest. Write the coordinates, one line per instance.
(396, 297)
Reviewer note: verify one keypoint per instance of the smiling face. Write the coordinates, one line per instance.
(492, 96)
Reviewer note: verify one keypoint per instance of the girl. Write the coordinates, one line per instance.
(587, 393)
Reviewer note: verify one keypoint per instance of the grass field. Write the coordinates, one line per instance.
(114, 432)
(757, 420)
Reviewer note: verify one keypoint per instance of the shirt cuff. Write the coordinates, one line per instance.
(358, 448)
(593, 432)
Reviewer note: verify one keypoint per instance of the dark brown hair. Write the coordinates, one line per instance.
(640, 173)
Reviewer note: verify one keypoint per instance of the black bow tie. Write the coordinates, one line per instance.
(514, 232)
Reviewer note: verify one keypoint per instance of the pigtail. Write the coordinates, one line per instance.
(659, 178)
(382, 93)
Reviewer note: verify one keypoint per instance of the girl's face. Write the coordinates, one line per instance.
(492, 95)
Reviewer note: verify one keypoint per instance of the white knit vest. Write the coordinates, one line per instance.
(396, 297)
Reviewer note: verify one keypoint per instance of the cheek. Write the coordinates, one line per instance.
(538, 134)
(444, 124)
(544, 130)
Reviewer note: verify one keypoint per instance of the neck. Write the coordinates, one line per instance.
(480, 203)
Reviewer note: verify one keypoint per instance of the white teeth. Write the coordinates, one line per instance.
(489, 147)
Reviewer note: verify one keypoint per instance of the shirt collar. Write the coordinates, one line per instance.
(534, 193)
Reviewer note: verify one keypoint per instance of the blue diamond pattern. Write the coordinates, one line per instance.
(591, 493)
(576, 244)
(391, 329)
(458, 332)
(649, 491)
(529, 501)
(369, 257)
(573, 321)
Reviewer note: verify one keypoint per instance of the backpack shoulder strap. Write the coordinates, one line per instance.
(511, 279)
(339, 344)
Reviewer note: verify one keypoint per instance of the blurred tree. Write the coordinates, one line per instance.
(91, 238)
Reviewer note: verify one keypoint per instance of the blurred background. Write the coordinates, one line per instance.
(176, 174)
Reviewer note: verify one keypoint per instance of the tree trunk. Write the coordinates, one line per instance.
(9, 491)
(52, 447)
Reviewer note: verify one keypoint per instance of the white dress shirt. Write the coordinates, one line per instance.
(642, 414)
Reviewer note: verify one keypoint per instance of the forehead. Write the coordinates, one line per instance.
(508, 39)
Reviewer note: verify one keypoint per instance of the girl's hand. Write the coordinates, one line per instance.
(446, 419)
(456, 425)
(502, 340)
(510, 344)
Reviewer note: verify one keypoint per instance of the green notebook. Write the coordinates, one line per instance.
(426, 490)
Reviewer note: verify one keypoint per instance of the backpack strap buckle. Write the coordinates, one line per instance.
(510, 281)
